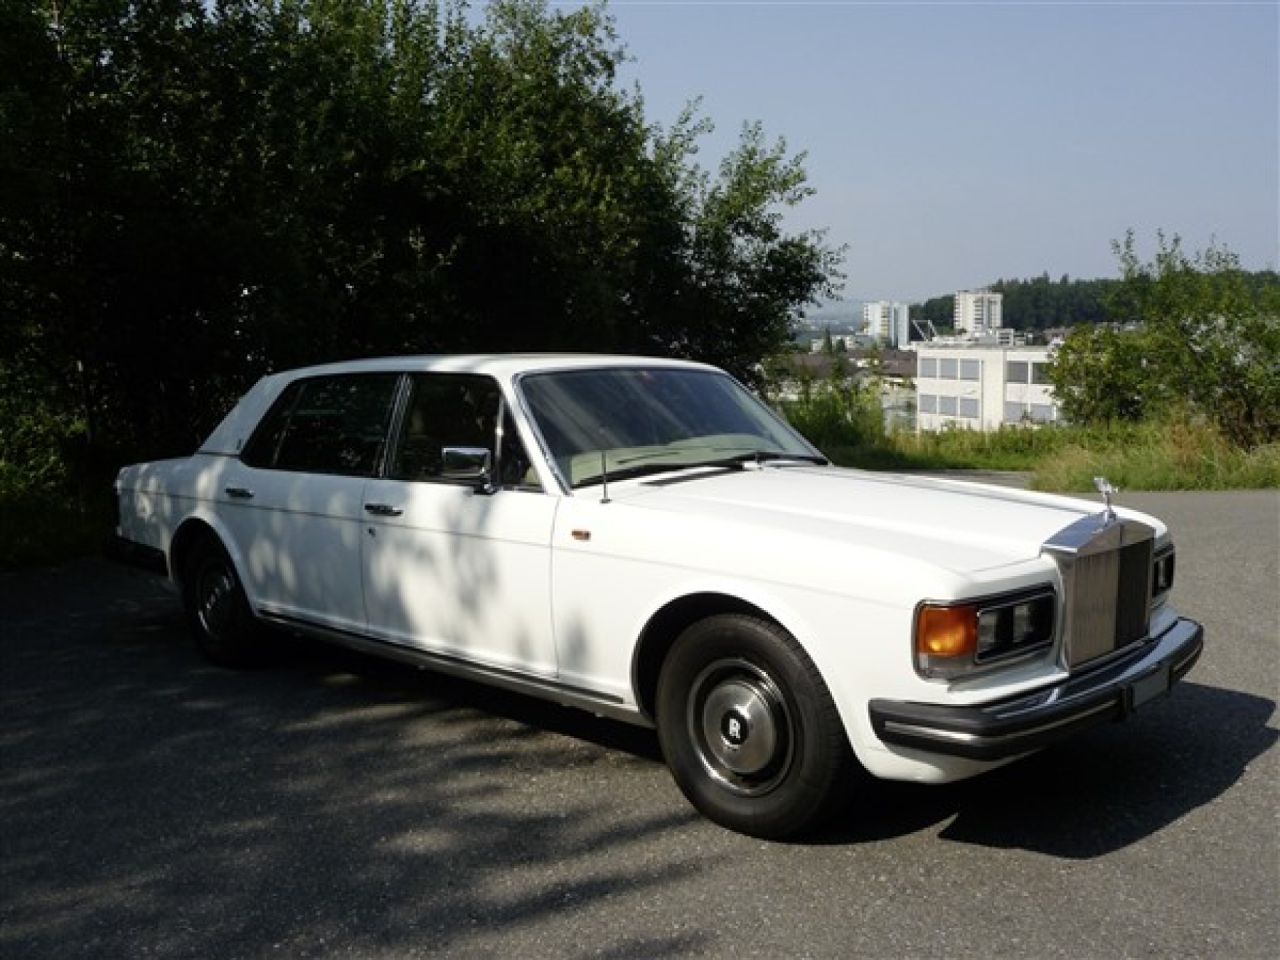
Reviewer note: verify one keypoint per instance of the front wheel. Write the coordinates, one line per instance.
(748, 727)
(217, 609)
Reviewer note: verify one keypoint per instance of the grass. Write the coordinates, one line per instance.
(1181, 453)
(1173, 456)
(1157, 456)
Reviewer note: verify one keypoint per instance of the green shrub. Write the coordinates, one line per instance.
(837, 414)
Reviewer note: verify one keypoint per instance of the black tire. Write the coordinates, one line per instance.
(748, 727)
(217, 609)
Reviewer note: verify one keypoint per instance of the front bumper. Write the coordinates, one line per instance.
(998, 731)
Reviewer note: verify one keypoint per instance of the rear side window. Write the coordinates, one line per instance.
(335, 425)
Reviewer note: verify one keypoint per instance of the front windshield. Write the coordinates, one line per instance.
(630, 421)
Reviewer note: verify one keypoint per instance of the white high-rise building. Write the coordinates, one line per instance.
(889, 321)
(978, 312)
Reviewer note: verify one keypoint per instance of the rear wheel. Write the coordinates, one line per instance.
(217, 608)
(748, 727)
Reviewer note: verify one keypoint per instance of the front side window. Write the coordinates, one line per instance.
(444, 412)
(455, 418)
(334, 425)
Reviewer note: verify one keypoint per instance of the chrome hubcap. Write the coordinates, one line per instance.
(739, 721)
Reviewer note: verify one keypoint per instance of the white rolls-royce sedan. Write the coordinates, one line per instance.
(646, 540)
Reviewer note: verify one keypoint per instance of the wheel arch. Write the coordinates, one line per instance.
(666, 625)
(190, 533)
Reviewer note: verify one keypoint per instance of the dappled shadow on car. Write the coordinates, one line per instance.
(1093, 794)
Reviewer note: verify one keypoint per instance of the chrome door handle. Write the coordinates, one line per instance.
(239, 493)
(382, 510)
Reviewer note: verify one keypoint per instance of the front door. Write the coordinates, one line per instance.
(453, 565)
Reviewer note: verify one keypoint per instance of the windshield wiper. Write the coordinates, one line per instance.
(736, 462)
(649, 469)
(772, 456)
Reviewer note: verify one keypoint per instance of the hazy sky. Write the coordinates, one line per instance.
(954, 144)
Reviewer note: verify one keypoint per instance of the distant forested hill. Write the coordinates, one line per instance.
(1042, 303)
(1036, 304)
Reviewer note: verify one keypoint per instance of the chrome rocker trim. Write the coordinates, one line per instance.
(1009, 728)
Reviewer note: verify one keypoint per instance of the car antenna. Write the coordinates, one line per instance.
(604, 466)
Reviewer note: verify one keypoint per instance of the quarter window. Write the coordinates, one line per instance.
(335, 425)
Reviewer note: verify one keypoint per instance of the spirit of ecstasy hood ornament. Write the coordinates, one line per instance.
(1108, 491)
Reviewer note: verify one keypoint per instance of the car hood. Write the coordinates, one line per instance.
(948, 523)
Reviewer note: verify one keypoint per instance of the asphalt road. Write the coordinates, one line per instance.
(330, 806)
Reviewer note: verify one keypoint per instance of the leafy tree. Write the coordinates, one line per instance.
(1205, 334)
(1101, 374)
(194, 192)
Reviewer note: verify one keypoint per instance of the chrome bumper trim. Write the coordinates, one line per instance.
(1008, 728)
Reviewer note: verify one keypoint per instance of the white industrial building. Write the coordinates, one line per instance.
(978, 312)
(887, 321)
(979, 385)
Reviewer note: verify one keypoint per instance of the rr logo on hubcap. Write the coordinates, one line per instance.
(734, 728)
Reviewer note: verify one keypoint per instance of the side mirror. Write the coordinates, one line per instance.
(468, 465)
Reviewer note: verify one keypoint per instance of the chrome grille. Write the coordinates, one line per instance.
(1106, 572)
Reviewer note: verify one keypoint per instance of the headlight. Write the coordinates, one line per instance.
(954, 639)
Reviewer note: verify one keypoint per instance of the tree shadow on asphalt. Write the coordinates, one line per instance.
(153, 804)
(1090, 795)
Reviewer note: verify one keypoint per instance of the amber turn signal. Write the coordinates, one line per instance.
(946, 632)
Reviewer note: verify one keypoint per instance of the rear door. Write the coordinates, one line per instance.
(294, 502)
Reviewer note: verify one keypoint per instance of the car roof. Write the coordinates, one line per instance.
(233, 432)
(501, 365)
